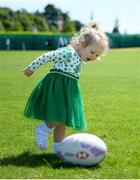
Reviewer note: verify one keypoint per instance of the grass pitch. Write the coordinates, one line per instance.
(111, 92)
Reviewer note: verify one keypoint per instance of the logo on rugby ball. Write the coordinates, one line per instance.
(82, 155)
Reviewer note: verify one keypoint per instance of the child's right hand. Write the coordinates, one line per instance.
(27, 71)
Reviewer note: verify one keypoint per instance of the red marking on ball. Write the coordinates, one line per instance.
(82, 155)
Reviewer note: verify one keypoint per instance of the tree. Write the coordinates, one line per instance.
(69, 26)
(41, 23)
(25, 19)
(116, 27)
(52, 19)
(78, 25)
(1, 26)
(18, 25)
(7, 18)
(51, 14)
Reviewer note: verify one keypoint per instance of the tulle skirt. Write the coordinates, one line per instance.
(57, 98)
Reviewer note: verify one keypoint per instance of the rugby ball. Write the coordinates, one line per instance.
(82, 149)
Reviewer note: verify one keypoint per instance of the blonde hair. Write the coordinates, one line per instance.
(88, 35)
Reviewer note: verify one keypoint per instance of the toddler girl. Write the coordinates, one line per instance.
(57, 98)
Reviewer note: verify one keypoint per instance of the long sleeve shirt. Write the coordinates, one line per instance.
(64, 59)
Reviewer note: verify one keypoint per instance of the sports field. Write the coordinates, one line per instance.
(111, 92)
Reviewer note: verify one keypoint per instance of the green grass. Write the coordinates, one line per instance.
(111, 91)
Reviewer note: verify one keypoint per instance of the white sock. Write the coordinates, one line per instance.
(55, 147)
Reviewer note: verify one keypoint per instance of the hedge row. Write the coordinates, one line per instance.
(48, 42)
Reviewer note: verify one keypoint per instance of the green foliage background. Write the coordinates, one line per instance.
(45, 21)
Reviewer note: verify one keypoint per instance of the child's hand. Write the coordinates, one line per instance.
(27, 71)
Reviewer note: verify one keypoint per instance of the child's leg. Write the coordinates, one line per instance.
(42, 132)
(59, 133)
(51, 124)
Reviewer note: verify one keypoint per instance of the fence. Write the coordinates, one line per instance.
(121, 41)
(47, 42)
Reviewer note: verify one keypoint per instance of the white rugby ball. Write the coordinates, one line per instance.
(82, 149)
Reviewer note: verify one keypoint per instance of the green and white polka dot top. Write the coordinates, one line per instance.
(65, 60)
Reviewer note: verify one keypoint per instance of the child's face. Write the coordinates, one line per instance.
(90, 53)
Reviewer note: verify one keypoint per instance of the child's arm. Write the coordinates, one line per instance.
(58, 55)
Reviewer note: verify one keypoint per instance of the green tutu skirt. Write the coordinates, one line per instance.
(57, 98)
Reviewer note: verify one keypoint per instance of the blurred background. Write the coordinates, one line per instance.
(111, 87)
(49, 24)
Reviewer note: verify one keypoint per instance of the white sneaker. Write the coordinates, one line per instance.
(41, 136)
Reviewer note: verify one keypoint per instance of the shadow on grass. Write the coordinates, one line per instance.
(28, 159)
